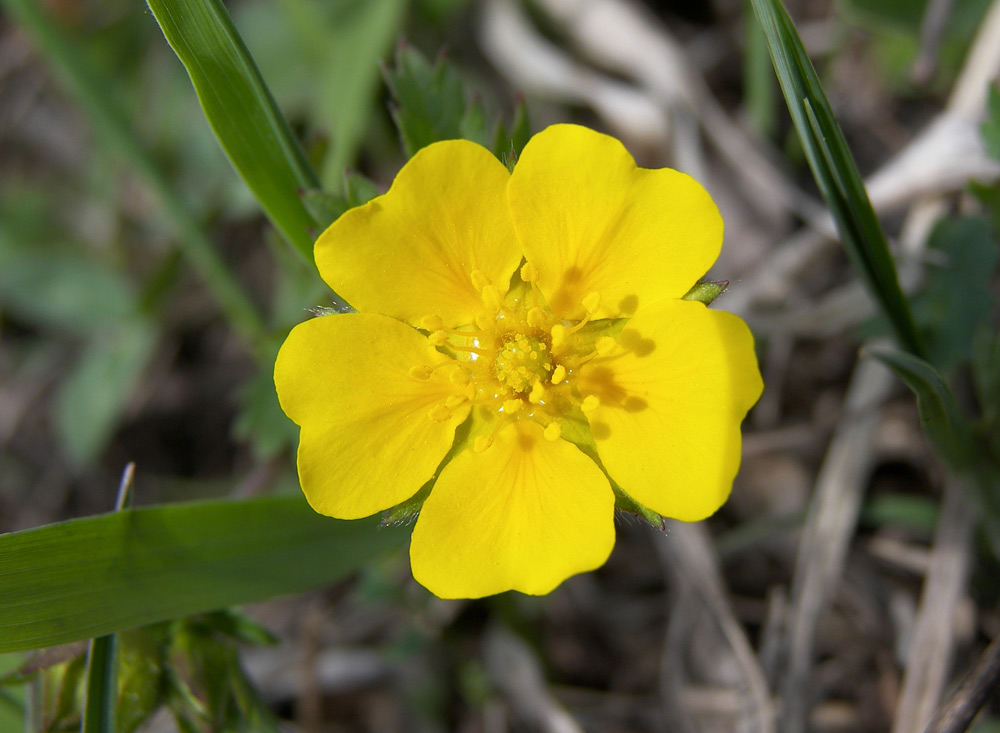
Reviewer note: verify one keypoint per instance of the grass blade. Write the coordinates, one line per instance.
(835, 171)
(243, 114)
(89, 577)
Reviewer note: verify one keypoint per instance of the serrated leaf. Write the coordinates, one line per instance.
(428, 100)
(359, 189)
(87, 577)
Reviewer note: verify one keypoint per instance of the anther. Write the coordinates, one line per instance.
(455, 400)
(485, 320)
(605, 345)
(558, 374)
(529, 273)
(558, 334)
(512, 406)
(590, 403)
(537, 392)
(552, 431)
(438, 338)
(479, 280)
(536, 317)
(431, 323)
(481, 443)
(421, 372)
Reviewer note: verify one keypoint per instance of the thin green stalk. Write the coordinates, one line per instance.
(113, 127)
(102, 684)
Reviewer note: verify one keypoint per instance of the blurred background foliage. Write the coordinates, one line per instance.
(115, 345)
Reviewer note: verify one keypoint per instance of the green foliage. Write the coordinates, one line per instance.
(834, 169)
(241, 111)
(89, 577)
(431, 104)
(956, 299)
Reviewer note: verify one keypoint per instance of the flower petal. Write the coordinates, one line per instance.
(410, 253)
(524, 515)
(367, 442)
(672, 395)
(591, 221)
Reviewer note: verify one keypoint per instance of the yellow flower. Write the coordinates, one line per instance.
(520, 344)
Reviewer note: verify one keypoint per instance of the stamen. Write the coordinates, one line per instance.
(470, 349)
(558, 335)
(529, 273)
(558, 374)
(590, 403)
(486, 320)
(536, 317)
(421, 372)
(537, 392)
(512, 406)
(438, 338)
(455, 400)
(552, 431)
(605, 345)
(482, 442)
(431, 323)
(460, 377)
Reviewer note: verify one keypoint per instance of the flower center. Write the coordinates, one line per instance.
(517, 361)
(521, 360)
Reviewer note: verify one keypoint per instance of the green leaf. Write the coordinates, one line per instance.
(834, 169)
(94, 397)
(116, 131)
(939, 413)
(956, 297)
(354, 41)
(62, 289)
(241, 111)
(430, 102)
(89, 577)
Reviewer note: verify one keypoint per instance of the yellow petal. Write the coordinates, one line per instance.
(591, 221)
(523, 515)
(411, 252)
(367, 442)
(670, 398)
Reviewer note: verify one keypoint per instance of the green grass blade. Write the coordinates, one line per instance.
(116, 132)
(102, 685)
(834, 170)
(243, 114)
(89, 577)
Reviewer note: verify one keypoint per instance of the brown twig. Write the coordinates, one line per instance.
(957, 713)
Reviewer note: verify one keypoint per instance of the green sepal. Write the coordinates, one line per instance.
(407, 511)
(625, 503)
(508, 143)
(706, 291)
(325, 207)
